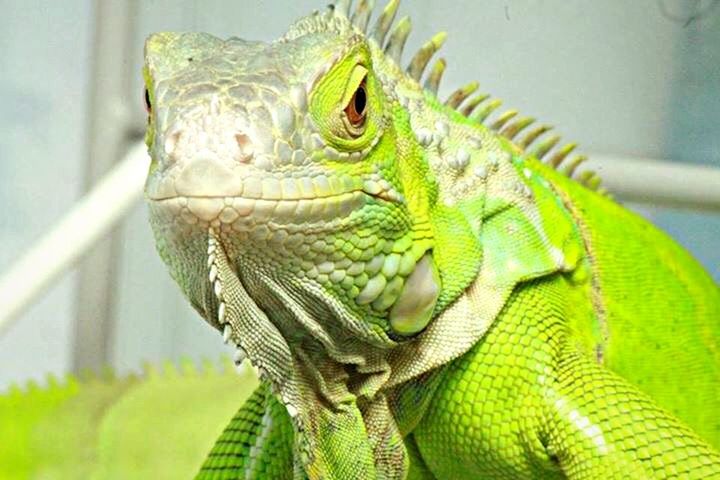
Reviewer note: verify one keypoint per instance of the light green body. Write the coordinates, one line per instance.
(119, 428)
(426, 293)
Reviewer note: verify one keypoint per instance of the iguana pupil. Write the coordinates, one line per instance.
(148, 104)
(356, 110)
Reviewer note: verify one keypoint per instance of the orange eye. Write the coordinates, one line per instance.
(356, 110)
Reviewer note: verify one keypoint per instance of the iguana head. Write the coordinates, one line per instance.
(301, 159)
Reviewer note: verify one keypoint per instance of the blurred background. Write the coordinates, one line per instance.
(626, 79)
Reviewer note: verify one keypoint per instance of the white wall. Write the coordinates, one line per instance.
(617, 76)
(44, 61)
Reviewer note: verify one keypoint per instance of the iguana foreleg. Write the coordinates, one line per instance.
(257, 443)
(527, 403)
(600, 426)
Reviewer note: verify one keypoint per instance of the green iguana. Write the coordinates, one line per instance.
(423, 287)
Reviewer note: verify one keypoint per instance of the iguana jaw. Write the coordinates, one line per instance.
(241, 214)
(207, 194)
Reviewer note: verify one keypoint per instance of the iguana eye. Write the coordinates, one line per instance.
(148, 104)
(356, 111)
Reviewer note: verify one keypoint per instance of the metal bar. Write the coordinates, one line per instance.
(660, 183)
(90, 220)
(109, 121)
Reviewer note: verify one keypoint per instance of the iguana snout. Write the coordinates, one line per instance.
(232, 143)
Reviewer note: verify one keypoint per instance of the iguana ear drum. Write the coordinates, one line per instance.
(414, 307)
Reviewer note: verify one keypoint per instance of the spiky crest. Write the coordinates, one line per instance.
(480, 107)
(185, 367)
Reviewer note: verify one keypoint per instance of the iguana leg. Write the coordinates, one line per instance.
(418, 469)
(269, 443)
(525, 403)
(256, 444)
(598, 425)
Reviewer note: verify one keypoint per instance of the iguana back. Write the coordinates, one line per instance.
(658, 310)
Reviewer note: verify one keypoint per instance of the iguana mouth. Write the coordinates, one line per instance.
(242, 212)
(239, 210)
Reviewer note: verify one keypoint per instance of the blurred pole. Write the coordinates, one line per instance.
(659, 183)
(107, 134)
(88, 221)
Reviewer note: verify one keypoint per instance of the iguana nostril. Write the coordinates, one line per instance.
(247, 150)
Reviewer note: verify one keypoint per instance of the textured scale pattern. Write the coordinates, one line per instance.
(255, 442)
(491, 417)
(427, 288)
(684, 331)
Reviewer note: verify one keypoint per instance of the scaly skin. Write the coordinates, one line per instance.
(422, 296)
(524, 403)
